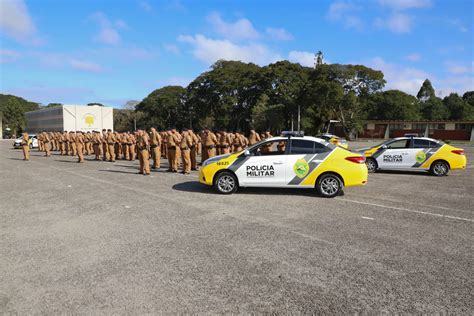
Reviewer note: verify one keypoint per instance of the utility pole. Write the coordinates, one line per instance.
(318, 59)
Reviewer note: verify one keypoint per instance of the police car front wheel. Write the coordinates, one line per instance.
(226, 183)
(329, 185)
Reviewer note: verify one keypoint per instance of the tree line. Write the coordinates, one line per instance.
(236, 96)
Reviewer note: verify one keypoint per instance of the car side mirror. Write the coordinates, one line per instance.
(384, 146)
(246, 153)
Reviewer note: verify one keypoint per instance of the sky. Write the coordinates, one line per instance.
(112, 51)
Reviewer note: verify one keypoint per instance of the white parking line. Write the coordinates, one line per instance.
(408, 210)
(369, 218)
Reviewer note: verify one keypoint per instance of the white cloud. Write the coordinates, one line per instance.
(8, 56)
(405, 4)
(413, 57)
(108, 33)
(303, 58)
(85, 65)
(241, 29)
(397, 23)
(345, 13)
(16, 22)
(279, 34)
(456, 68)
(407, 79)
(210, 50)
(338, 9)
(120, 24)
(172, 49)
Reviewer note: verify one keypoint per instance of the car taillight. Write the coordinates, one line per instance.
(356, 159)
(458, 151)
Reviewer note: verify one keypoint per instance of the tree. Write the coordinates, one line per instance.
(52, 105)
(225, 95)
(123, 120)
(341, 92)
(426, 91)
(393, 105)
(458, 108)
(434, 109)
(164, 108)
(13, 109)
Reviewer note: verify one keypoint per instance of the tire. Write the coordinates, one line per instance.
(226, 183)
(329, 185)
(371, 164)
(439, 168)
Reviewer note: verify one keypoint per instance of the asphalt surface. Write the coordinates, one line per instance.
(98, 238)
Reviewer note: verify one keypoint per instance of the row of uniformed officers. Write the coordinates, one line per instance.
(180, 148)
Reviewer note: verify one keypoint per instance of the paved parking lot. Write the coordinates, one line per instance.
(97, 237)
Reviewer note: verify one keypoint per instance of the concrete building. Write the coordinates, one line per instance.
(442, 129)
(70, 118)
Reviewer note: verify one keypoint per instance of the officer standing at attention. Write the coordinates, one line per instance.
(253, 137)
(224, 142)
(173, 142)
(185, 146)
(194, 149)
(39, 138)
(143, 156)
(210, 143)
(110, 140)
(46, 142)
(79, 143)
(25, 145)
(96, 144)
(155, 147)
(72, 143)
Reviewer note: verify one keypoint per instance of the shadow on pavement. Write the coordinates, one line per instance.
(407, 172)
(119, 171)
(193, 186)
(16, 158)
(69, 161)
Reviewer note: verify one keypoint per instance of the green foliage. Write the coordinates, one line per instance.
(458, 108)
(434, 109)
(393, 105)
(124, 120)
(426, 91)
(13, 109)
(164, 108)
(52, 105)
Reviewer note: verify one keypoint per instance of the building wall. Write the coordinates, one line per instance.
(70, 118)
(50, 119)
(87, 118)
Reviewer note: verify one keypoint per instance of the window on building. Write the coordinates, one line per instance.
(437, 126)
(394, 127)
(463, 126)
(418, 126)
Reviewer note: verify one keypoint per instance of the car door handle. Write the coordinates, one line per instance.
(278, 162)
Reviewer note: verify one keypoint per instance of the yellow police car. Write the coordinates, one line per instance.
(414, 153)
(290, 161)
(336, 140)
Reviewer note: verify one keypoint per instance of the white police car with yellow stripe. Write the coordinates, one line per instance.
(287, 162)
(412, 153)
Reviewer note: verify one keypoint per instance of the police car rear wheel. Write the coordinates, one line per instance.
(371, 164)
(226, 183)
(329, 185)
(439, 168)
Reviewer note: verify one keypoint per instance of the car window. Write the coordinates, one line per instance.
(421, 143)
(402, 143)
(434, 144)
(303, 147)
(276, 147)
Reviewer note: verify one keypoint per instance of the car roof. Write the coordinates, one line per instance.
(311, 138)
(410, 137)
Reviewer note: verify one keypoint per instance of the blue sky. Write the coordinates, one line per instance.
(81, 51)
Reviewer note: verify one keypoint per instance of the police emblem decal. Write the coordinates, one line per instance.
(301, 168)
(420, 156)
